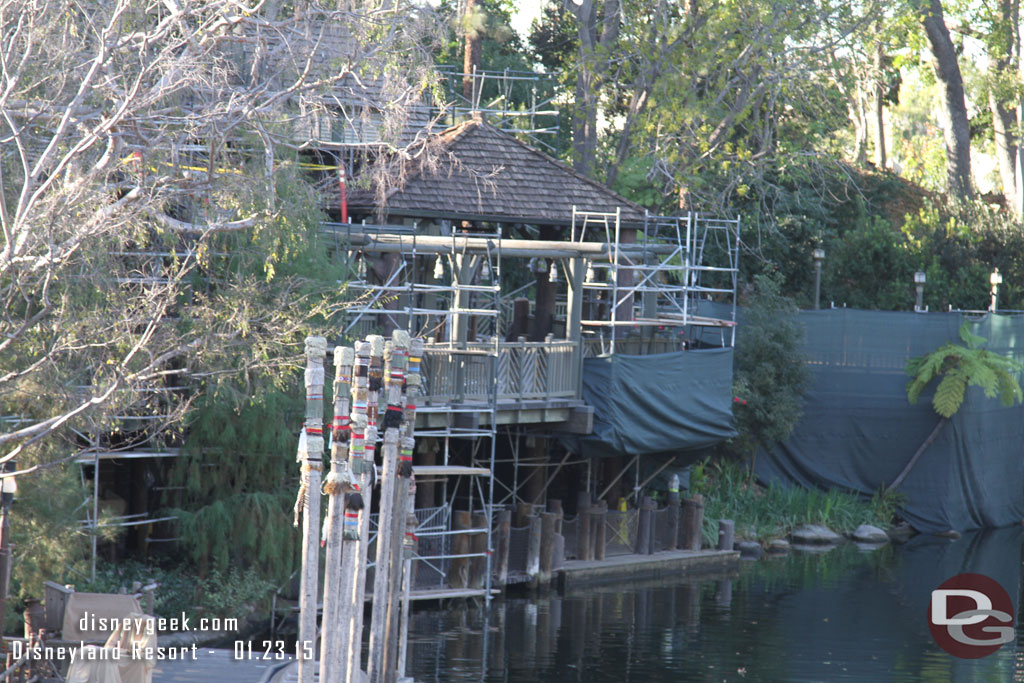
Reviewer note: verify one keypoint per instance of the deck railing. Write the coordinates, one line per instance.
(521, 370)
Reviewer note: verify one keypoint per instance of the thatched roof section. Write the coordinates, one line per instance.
(486, 174)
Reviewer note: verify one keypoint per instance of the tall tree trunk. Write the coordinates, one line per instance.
(472, 55)
(920, 451)
(879, 104)
(1004, 117)
(955, 125)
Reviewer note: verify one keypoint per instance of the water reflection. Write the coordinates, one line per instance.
(845, 615)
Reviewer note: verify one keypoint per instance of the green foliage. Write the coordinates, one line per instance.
(770, 372)
(960, 367)
(762, 513)
(230, 593)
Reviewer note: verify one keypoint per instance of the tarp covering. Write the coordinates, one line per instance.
(858, 430)
(663, 403)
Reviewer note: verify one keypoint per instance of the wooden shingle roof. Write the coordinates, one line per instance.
(486, 174)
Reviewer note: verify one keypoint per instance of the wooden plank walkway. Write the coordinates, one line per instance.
(618, 568)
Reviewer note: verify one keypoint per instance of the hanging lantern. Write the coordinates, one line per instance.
(591, 275)
(553, 272)
(438, 268)
(485, 271)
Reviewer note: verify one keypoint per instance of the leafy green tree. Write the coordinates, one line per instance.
(958, 367)
(770, 373)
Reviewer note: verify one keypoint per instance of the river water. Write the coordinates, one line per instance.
(844, 615)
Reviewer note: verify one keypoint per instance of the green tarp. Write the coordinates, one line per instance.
(665, 403)
(858, 430)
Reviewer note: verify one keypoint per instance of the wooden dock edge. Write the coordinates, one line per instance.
(664, 565)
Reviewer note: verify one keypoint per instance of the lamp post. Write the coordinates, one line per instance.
(995, 279)
(819, 255)
(919, 280)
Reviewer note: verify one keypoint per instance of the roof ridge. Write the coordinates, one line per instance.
(562, 165)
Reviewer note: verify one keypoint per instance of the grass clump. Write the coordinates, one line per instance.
(762, 513)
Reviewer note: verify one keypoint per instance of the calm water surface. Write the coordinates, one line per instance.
(845, 615)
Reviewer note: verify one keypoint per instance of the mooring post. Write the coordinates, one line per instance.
(533, 550)
(693, 521)
(547, 547)
(644, 541)
(599, 527)
(310, 455)
(726, 532)
(366, 383)
(673, 510)
(478, 546)
(339, 488)
(558, 556)
(396, 355)
(503, 538)
(583, 547)
(458, 568)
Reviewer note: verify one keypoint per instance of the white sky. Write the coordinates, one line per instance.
(526, 12)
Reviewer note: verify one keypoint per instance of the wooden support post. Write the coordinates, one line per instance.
(523, 513)
(555, 506)
(366, 380)
(673, 520)
(583, 547)
(558, 557)
(726, 532)
(337, 576)
(310, 455)
(458, 568)
(547, 546)
(693, 521)
(503, 537)
(409, 548)
(391, 527)
(644, 542)
(533, 550)
(599, 528)
(478, 544)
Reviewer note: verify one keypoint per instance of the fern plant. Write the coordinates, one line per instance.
(959, 367)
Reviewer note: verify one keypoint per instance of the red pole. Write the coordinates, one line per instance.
(341, 191)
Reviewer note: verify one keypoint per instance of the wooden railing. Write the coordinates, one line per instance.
(518, 370)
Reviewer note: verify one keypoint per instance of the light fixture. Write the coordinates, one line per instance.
(919, 280)
(438, 268)
(553, 272)
(591, 275)
(818, 255)
(485, 271)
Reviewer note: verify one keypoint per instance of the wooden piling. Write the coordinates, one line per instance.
(533, 550)
(311, 449)
(478, 546)
(693, 521)
(726, 533)
(458, 568)
(644, 543)
(584, 550)
(673, 511)
(599, 529)
(547, 547)
(337, 576)
(502, 542)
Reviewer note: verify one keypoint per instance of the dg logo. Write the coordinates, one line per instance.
(971, 616)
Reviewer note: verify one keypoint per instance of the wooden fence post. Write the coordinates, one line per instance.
(459, 566)
(547, 546)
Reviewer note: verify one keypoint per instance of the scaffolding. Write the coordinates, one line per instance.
(673, 266)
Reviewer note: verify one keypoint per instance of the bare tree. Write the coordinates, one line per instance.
(131, 134)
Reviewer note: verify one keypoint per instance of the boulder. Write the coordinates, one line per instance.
(866, 533)
(811, 534)
(778, 546)
(751, 550)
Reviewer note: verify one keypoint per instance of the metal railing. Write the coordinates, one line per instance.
(525, 370)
